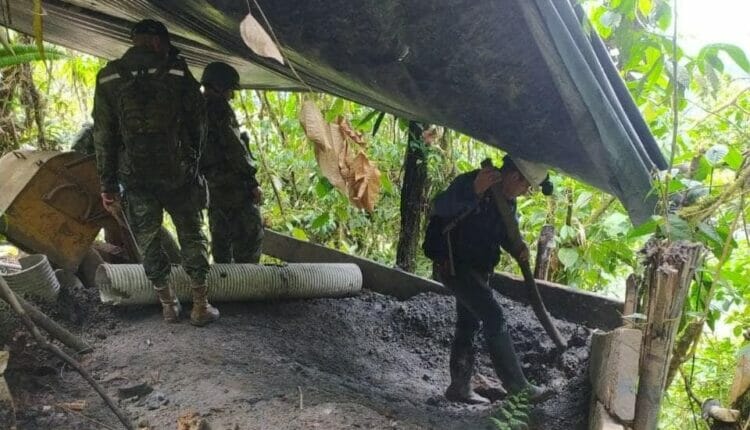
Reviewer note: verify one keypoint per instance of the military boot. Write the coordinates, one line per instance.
(462, 369)
(203, 313)
(508, 368)
(170, 306)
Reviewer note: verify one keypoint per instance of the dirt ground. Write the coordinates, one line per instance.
(367, 362)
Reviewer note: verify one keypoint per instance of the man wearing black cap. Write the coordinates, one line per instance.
(149, 128)
(233, 213)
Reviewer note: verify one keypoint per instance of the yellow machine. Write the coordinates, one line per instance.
(50, 204)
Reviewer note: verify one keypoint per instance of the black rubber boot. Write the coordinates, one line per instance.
(508, 368)
(462, 369)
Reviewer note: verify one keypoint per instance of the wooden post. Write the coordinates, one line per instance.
(670, 268)
(631, 298)
(544, 252)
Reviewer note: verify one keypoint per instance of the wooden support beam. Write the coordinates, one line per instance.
(670, 268)
(581, 307)
(570, 304)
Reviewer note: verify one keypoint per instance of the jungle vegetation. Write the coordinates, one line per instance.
(697, 106)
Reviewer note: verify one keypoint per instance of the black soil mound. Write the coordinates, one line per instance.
(364, 362)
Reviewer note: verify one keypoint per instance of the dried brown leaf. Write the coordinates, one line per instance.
(257, 39)
(432, 135)
(191, 421)
(315, 126)
(365, 190)
(351, 133)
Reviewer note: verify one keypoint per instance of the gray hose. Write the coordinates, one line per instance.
(35, 279)
(126, 284)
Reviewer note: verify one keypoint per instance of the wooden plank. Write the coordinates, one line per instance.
(578, 306)
(375, 276)
(563, 302)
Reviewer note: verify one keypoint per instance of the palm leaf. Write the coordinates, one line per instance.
(21, 54)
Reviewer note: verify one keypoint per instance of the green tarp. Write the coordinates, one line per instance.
(521, 75)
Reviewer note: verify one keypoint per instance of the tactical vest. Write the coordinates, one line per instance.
(149, 109)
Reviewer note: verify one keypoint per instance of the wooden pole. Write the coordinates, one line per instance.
(670, 268)
(8, 296)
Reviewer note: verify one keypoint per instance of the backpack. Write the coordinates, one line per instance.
(150, 111)
(435, 245)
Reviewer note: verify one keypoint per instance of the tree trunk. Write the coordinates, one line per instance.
(413, 198)
(669, 271)
(33, 102)
(8, 133)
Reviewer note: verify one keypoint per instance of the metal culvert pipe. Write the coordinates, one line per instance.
(127, 284)
(35, 279)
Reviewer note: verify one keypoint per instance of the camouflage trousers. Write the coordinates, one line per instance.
(146, 210)
(236, 233)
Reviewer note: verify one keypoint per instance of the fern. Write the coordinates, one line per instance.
(22, 54)
(514, 414)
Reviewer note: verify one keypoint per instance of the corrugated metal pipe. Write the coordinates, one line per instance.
(126, 284)
(36, 279)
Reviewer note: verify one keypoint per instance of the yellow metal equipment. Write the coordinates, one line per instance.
(49, 204)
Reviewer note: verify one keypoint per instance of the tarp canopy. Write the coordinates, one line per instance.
(521, 75)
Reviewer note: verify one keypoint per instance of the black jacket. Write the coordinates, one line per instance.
(477, 238)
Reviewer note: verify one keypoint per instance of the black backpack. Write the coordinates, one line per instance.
(149, 106)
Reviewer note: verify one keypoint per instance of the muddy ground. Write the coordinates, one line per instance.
(367, 362)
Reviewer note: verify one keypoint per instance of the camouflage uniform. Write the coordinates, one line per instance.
(162, 177)
(234, 220)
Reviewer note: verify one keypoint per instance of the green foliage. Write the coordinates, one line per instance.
(14, 55)
(597, 247)
(514, 413)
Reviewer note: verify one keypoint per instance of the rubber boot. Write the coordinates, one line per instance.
(170, 306)
(203, 313)
(462, 369)
(508, 368)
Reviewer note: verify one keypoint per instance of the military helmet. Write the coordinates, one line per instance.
(149, 26)
(221, 76)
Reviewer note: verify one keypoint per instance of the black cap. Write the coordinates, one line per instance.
(149, 26)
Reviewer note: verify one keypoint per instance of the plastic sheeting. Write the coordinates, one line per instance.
(520, 75)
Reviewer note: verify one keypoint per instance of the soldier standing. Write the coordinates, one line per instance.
(463, 239)
(233, 213)
(149, 127)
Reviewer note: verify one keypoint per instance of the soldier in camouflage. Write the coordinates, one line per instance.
(149, 128)
(234, 217)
